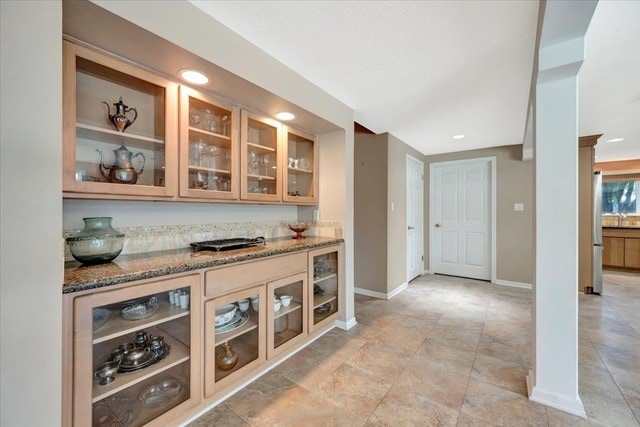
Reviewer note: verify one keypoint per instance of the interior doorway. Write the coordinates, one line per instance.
(462, 219)
(415, 218)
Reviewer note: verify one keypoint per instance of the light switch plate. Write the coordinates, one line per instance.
(518, 207)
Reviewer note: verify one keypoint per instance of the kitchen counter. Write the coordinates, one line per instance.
(128, 268)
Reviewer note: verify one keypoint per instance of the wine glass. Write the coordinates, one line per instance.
(213, 151)
(224, 125)
(199, 148)
(266, 161)
(253, 162)
(195, 117)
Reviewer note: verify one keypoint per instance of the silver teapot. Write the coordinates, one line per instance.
(120, 119)
(122, 170)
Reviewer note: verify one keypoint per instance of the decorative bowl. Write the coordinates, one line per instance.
(298, 228)
(161, 394)
(224, 314)
(141, 310)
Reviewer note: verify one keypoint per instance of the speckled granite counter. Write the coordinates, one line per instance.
(128, 268)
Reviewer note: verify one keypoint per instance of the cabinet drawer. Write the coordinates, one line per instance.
(227, 279)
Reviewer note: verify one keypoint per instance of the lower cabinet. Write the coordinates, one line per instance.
(286, 313)
(325, 293)
(613, 251)
(139, 362)
(234, 341)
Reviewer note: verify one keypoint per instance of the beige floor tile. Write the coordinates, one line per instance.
(403, 339)
(507, 375)
(454, 336)
(338, 345)
(452, 358)
(498, 406)
(559, 418)
(465, 420)
(434, 382)
(379, 361)
(520, 354)
(353, 390)
(308, 368)
(603, 400)
(402, 407)
(221, 415)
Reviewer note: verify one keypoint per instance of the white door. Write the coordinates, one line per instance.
(461, 219)
(415, 215)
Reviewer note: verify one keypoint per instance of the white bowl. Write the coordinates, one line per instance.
(225, 313)
(243, 304)
(276, 304)
(286, 300)
(255, 304)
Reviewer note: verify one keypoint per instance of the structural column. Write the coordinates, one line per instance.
(554, 378)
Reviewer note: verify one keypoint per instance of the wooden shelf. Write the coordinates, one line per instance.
(297, 171)
(324, 276)
(209, 134)
(260, 147)
(86, 131)
(282, 337)
(293, 306)
(179, 353)
(216, 171)
(251, 324)
(117, 326)
(261, 177)
(318, 300)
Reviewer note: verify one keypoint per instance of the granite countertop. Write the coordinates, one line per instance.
(128, 268)
(626, 227)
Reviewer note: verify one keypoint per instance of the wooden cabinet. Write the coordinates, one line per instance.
(301, 166)
(621, 248)
(146, 161)
(129, 396)
(243, 337)
(209, 155)
(613, 251)
(261, 158)
(325, 290)
(286, 326)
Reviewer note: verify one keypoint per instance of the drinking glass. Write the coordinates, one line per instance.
(253, 162)
(195, 118)
(266, 161)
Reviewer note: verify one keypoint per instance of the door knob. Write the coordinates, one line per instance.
(438, 225)
(411, 228)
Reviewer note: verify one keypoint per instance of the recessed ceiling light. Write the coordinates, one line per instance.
(285, 116)
(459, 136)
(615, 140)
(195, 77)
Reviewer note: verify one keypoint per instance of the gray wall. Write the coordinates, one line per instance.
(514, 234)
(31, 213)
(397, 222)
(370, 204)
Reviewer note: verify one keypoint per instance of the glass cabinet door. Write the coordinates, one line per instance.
(234, 336)
(136, 353)
(261, 161)
(208, 147)
(326, 290)
(119, 124)
(286, 313)
(301, 165)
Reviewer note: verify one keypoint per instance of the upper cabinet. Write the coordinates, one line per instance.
(261, 158)
(131, 134)
(208, 147)
(301, 158)
(119, 128)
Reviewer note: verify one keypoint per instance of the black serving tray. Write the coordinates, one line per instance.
(227, 244)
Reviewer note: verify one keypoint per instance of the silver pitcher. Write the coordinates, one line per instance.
(120, 119)
(122, 170)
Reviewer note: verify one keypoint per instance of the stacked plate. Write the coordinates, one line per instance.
(239, 318)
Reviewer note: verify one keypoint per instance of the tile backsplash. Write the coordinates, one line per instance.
(159, 238)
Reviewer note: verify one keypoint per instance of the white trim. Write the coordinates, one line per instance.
(346, 325)
(527, 154)
(426, 272)
(513, 284)
(248, 381)
(494, 192)
(381, 295)
(420, 216)
(548, 398)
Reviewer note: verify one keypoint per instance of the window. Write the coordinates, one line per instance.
(621, 196)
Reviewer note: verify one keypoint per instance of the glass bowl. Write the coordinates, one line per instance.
(161, 394)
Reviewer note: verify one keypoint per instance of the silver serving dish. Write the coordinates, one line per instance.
(141, 310)
(161, 394)
(137, 358)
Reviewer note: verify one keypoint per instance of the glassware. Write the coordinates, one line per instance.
(97, 243)
(253, 162)
(213, 151)
(199, 147)
(195, 118)
(266, 161)
(227, 358)
(224, 125)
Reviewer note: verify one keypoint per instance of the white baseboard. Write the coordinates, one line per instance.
(346, 325)
(513, 284)
(381, 295)
(426, 272)
(546, 397)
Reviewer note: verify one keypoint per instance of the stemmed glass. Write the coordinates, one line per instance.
(253, 162)
(199, 149)
(266, 161)
(213, 151)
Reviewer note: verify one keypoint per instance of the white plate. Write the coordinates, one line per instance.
(239, 319)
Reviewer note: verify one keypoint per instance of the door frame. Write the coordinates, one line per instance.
(420, 216)
(492, 203)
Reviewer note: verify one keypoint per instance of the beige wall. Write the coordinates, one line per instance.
(514, 234)
(31, 213)
(397, 219)
(370, 218)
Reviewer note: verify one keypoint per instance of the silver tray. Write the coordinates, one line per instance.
(227, 244)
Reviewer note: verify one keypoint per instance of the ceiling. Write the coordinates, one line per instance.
(427, 70)
(610, 80)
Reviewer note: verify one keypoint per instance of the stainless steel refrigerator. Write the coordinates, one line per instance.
(597, 233)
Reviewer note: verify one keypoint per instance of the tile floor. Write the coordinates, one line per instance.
(448, 351)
